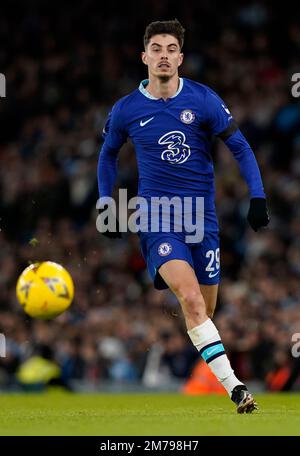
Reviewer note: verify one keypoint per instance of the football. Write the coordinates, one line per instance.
(45, 290)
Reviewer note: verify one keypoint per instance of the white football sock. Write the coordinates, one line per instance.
(207, 340)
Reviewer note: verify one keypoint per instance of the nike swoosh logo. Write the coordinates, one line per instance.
(143, 123)
(211, 275)
(210, 352)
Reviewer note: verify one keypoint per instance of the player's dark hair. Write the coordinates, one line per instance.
(164, 27)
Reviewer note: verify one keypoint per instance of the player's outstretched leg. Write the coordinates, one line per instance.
(181, 279)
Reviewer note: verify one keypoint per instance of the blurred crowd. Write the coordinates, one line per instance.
(65, 65)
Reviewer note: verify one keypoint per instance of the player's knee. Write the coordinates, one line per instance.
(191, 299)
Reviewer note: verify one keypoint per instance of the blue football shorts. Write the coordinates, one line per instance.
(203, 257)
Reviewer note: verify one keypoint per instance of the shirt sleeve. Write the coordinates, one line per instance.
(221, 123)
(244, 155)
(114, 135)
(114, 132)
(218, 116)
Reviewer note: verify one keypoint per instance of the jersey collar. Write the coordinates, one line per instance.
(145, 82)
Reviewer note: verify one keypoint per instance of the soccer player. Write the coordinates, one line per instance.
(171, 122)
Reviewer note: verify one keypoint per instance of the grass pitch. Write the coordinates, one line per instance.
(60, 413)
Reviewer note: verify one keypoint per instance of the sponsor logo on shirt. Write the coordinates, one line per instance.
(178, 151)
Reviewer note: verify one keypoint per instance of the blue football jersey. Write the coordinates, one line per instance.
(172, 138)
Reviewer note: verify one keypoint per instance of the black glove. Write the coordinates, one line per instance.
(111, 234)
(258, 213)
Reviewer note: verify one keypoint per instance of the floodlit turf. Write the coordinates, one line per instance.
(59, 413)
